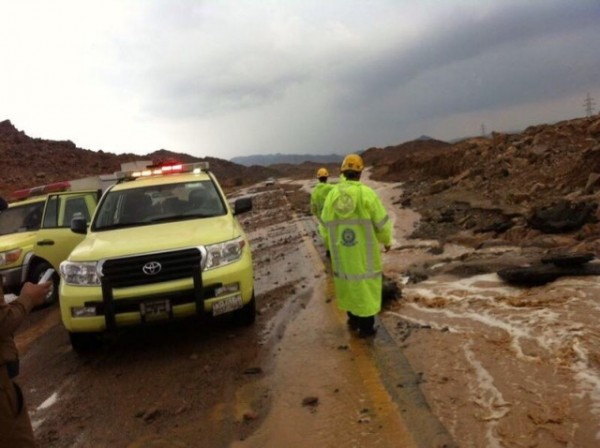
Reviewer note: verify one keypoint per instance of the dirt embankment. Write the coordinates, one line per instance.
(538, 188)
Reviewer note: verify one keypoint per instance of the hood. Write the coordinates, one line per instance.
(346, 201)
(156, 238)
(14, 240)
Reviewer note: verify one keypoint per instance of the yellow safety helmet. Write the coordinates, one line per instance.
(322, 172)
(352, 162)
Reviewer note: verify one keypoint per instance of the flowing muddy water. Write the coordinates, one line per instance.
(501, 366)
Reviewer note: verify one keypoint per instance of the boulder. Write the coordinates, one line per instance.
(563, 216)
(594, 129)
(591, 183)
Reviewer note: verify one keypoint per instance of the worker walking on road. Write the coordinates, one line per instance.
(320, 192)
(15, 427)
(318, 196)
(353, 224)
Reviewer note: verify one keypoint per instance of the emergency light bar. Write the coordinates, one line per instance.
(25, 193)
(159, 170)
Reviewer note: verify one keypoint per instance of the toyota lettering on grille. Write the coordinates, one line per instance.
(151, 268)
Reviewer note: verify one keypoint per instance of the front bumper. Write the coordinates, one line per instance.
(117, 307)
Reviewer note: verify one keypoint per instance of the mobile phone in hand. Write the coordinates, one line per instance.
(47, 276)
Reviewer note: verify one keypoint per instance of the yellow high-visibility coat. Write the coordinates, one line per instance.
(317, 198)
(353, 224)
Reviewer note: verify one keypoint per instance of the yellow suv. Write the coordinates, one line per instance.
(34, 232)
(163, 244)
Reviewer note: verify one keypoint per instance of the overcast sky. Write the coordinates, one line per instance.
(228, 78)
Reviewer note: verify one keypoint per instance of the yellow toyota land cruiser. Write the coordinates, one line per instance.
(162, 244)
(34, 231)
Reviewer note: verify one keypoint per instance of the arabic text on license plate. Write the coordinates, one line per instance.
(227, 305)
(155, 308)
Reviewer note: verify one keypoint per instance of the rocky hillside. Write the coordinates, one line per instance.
(545, 161)
(27, 162)
(520, 187)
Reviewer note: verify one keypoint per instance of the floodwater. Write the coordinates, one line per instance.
(501, 366)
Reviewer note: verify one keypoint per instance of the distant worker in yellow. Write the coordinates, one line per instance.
(320, 192)
(317, 198)
(354, 224)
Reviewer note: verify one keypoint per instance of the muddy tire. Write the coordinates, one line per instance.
(36, 274)
(84, 342)
(247, 314)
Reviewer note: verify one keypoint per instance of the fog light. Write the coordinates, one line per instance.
(227, 289)
(83, 311)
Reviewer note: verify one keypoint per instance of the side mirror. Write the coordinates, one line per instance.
(242, 205)
(79, 225)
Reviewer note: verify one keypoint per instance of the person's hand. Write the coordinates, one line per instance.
(387, 248)
(36, 293)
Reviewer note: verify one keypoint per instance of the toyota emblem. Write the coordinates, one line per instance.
(152, 268)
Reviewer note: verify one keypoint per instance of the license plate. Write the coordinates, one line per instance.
(150, 309)
(227, 305)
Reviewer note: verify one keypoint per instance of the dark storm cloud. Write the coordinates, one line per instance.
(197, 95)
(525, 38)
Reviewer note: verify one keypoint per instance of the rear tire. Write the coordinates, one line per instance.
(36, 274)
(84, 342)
(247, 314)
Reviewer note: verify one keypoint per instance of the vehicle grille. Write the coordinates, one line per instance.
(124, 272)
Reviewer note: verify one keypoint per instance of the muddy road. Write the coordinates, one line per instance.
(461, 359)
(296, 377)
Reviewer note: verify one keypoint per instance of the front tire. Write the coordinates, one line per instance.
(84, 342)
(247, 314)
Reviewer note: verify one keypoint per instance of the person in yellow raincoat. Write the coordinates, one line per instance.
(318, 196)
(320, 192)
(354, 224)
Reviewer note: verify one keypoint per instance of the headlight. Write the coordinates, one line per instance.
(224, 253)
(79, 273)
(10, 256)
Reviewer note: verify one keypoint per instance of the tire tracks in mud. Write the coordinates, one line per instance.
(377, 391)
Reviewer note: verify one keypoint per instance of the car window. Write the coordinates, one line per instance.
(160, 203)
(21, 218)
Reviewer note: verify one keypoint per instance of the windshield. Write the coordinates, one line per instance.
(21, 218)
(160, 203)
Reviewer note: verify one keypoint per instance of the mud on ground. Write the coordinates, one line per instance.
(500, 365)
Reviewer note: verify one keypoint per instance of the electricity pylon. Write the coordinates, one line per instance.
(589, 104)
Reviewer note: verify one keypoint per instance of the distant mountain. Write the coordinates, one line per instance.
(274, 159)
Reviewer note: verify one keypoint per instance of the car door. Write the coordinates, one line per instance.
(55, 240)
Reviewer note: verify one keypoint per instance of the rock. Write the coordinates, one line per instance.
(439, 186)
(568, 259)
(545, 273)
(390, 290)
(310, 401)
(563, 216)
(250, 415)
(591, 183)
(519, 197)
(594, 129)
(550, 242)
(152, 415)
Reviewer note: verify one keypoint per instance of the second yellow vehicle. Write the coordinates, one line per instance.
(163, 243)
